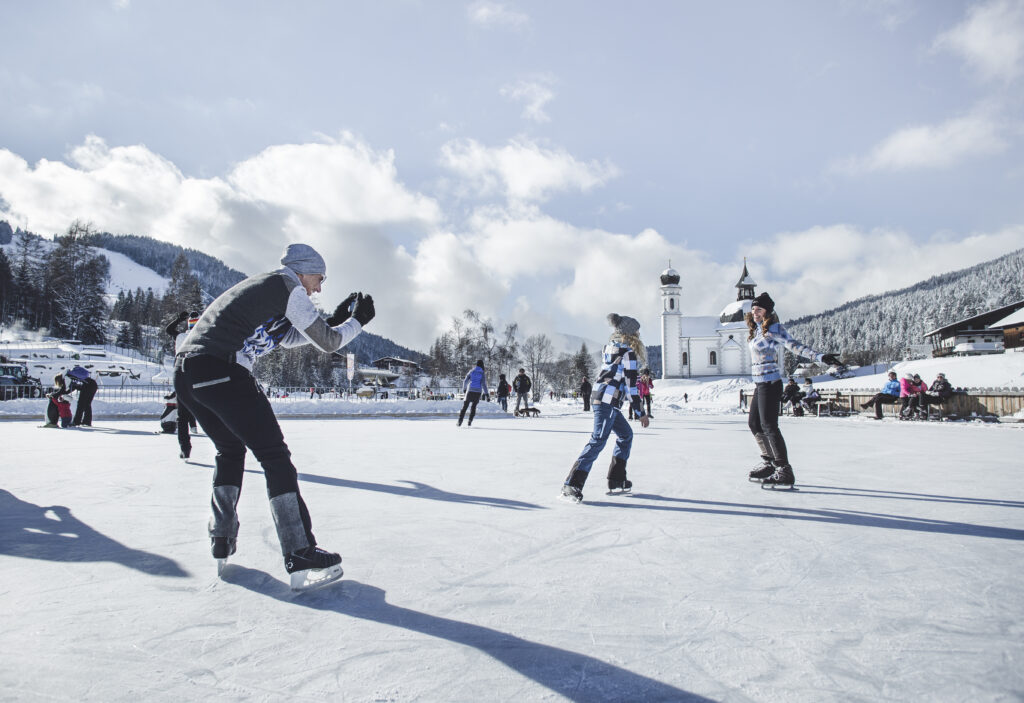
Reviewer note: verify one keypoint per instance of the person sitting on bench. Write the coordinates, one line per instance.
(889, 395)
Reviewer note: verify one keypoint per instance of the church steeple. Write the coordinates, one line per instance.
(746, 284)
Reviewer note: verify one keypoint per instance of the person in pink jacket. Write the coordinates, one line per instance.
(911, 388)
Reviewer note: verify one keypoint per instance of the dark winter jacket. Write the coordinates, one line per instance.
(503, 387)
(586, 388)
(941, 388)
(791, 393)
(86, 389)
(258, 315)
(521, 383)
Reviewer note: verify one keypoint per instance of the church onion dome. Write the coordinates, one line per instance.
(734, 311)
(670, 277)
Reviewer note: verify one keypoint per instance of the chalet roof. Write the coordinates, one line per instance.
(394, 358)
(1014, 319)
(985, 319)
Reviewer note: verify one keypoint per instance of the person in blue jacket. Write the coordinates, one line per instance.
(767, 338)
(475, 386)
(889, 395)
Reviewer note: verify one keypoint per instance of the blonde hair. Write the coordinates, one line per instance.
(769, 320)
(633, 342)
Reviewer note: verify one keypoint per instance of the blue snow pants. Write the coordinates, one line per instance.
(607, 419)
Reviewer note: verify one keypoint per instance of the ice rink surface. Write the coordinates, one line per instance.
(894, 573)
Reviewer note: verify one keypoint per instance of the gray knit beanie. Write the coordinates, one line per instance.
(302, 258)
(624, 324)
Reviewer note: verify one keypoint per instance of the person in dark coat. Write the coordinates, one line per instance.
(503, 391)
(185, 418)
(86, 387)
(56, 394)
(585, 390)
(521, 384)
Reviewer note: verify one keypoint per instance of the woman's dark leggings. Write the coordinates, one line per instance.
(472, 398)
(763, 420)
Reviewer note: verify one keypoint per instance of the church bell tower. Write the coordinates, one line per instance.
(671, 324)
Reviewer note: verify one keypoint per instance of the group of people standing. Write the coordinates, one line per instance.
(58, 407)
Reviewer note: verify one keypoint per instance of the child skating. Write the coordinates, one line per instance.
(616, 384)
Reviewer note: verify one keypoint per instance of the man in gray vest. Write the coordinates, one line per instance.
(213, 376)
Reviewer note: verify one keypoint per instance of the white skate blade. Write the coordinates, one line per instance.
(618, 491)
(569, 499)
(221, 565)
(778, 487)
(308, 579)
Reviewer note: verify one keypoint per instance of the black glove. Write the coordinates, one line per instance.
(831, 360)
(363, 311)
(343, 311)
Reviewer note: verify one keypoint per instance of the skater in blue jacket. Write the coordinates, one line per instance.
(767, 338)
(475, 386)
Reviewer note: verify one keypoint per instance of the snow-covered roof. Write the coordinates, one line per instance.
(1012, 320)
(734, 312)
(702, 326)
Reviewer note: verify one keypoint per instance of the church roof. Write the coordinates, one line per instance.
(669, 277)
(745, 279)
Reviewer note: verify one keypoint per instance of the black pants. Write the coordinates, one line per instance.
(185, 419)
(911, 405)
(647, 402)
(472, 398)
(52, 413)
(83, 409)
(764, 419)
(586, 402)
(880, 399)
(235, 414)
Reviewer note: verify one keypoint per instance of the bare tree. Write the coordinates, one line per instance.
(537, 353)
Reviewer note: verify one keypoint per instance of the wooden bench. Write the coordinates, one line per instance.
(831, 403)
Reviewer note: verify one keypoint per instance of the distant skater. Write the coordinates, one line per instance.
(213, 375)
(86, 386)
(185, 418)
(475, 386)
(767, 338)
(616, 384)
(585, 390)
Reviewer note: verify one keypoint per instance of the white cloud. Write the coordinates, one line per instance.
(932, 146)
(488, 13)
(522, 170)
(509, 261)
(990, 39)
(822, 267)
(534, 93)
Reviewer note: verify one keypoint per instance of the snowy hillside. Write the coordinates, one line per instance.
(885, 325)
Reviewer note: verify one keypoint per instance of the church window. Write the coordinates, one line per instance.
(671, 303)
(713, 359)
(686, 361)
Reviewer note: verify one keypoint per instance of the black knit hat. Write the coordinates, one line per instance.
(765, 301)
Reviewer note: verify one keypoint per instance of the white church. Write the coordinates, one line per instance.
(706, 345)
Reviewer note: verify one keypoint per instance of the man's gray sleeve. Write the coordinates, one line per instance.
(309, 328)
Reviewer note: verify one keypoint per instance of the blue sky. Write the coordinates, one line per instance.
(535, 161)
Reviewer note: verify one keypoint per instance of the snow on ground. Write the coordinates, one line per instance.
(1004, 371)
(893, 574)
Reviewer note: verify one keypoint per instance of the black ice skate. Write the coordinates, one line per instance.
(617, 481)
(185, 453)
(782, 478)
(760, 473)
(571, 494)
(312, 567)
(222, 548)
